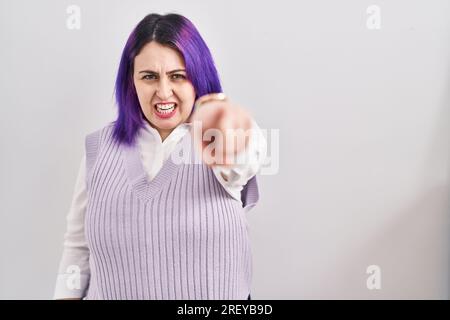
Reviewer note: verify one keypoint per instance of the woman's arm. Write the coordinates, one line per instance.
(248, 163)
(239, 148)
(73, 275)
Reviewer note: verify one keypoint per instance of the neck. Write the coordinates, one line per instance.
(164, 133)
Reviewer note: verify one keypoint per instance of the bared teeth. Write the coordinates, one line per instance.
(165, 106)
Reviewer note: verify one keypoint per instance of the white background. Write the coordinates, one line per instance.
(363, 118)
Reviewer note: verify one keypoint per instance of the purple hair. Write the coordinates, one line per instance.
(172, 30)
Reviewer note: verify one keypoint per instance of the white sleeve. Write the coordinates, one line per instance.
(248, 163)
(73, 275)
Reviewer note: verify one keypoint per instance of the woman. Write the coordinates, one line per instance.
(142, 225)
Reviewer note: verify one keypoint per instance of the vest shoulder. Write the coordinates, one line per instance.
(106, 129)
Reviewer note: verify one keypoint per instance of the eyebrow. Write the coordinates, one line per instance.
(169, 72)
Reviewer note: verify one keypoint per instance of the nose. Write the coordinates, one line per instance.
(164, 90)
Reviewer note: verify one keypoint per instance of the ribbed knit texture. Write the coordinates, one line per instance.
(178, 236)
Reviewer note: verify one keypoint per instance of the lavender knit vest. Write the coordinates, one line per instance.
(178, 236)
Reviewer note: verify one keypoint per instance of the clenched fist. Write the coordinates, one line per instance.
(221, 129)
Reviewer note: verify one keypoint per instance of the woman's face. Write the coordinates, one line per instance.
(165, 94)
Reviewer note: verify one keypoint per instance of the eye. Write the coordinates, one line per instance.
(149, 77)
(178, 76)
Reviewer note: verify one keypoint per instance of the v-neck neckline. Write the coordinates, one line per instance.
(145, 188)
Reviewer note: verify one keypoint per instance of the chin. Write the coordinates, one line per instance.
(166, 124)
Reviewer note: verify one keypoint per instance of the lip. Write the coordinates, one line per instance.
(164, 102)
(166, 115)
